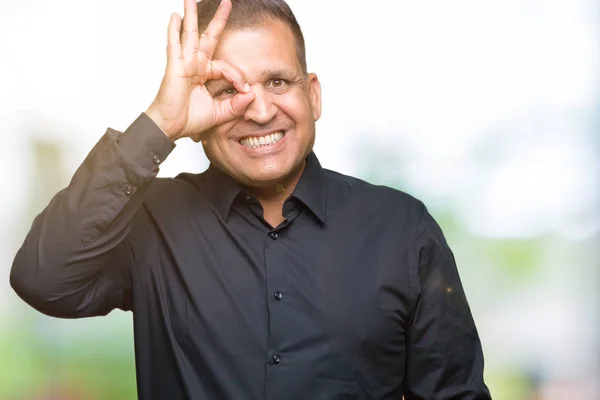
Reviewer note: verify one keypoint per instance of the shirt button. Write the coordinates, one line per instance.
(128, 190)
(276, 358)
(274, 235)
(278, 295)
(155, 158)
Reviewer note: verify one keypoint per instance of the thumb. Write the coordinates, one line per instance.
(233, 107)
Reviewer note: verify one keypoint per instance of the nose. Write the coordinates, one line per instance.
(262, 109)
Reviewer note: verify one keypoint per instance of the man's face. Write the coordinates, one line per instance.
(269, 143)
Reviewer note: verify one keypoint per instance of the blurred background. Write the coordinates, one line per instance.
(488, 111)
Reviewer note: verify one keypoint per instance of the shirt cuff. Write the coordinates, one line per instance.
(145, 144)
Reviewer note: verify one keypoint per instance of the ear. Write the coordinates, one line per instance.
(314, 93)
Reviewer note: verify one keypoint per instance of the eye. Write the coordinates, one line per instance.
(278, 84)
(225, 93)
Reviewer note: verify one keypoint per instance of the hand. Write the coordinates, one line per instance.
(183, 106)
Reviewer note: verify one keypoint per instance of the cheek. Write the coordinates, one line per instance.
(217, 135)
(298, 109)
(214, 144)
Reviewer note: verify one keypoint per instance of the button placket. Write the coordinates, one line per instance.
(277, 286)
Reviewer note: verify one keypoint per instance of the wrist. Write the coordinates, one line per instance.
(154, 115)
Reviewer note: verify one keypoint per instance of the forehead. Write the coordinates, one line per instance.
(253, 50)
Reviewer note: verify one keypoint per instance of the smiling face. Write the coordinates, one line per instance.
(269, 143)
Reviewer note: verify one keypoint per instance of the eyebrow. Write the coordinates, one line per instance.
(271, 73)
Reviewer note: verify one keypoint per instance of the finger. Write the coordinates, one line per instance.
(233, 108)
(174, 41)
(211, 35)
(191, 15)
(220, 69)
(190, 37)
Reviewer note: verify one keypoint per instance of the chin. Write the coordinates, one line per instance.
(264, 179)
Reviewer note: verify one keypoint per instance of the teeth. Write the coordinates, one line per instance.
(262, 141)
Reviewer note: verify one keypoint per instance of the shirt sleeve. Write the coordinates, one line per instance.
(444, 353)
(77, 257)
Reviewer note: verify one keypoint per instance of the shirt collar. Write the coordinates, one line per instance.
(311, 189)
(221, 189)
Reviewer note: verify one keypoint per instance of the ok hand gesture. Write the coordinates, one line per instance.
(183, 106)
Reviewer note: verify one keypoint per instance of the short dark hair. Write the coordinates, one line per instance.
(253, 14)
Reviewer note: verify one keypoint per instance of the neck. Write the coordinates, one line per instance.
(273, 196)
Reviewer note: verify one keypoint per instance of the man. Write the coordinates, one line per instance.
(266, 276)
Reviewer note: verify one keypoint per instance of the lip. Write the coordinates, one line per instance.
(274, 148)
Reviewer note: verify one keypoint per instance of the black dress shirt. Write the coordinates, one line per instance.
(355, 295)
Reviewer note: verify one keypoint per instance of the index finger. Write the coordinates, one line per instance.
(211, 35)
(190, 18)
